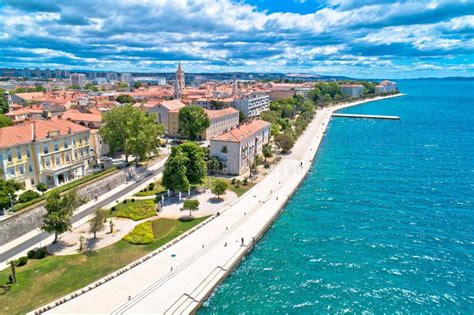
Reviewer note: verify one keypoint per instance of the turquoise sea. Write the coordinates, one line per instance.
(383, 223)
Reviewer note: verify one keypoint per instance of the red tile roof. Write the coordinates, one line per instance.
(76, 115)
(220, 112)
(243, 131)
(23, 133)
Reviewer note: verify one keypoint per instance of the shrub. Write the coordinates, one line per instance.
(266, 164)
(28, 196)
(232, 181)
(246, 181)
(22, 261)
(142, 234)
(31, 254)
(237, 183)
(133, 199)
(125, 201)
(151, 186)
(41, 253)
(113, 208)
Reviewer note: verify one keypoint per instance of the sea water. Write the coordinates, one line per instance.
(384, 221)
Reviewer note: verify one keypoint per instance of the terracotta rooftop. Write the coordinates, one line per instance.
(76, 115)
(220, 112)
(243, 131)
(172, 105)
(23, 133)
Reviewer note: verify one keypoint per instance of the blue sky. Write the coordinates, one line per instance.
(356, 38)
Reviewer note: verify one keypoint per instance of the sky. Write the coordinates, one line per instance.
(356, 38)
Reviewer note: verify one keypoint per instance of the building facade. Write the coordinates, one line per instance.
(52, 151)
(221, 121)
(238, 148)
(79, 79)
(252, 105)
(386, 87)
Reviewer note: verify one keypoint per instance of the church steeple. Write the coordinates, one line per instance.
(179, 82)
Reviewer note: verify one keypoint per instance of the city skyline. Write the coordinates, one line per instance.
(360, 39)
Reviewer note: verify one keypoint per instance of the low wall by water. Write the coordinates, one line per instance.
(26, 221)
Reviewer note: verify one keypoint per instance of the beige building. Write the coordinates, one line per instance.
(221, 121)
(162, 110)
(52, 151)
(238, 148)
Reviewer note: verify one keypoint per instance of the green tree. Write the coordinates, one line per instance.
(125, 99)
(217, 104)
(285, 142)
(242, 117)
(74, 87)
(193, 120)
(196, 167)
(97, 223)
(137, 85)
(91, 87)
(219, 187)
(3, 102)
(191, 205)
(214, 164)
(132, 130)
(267, 151)
(8, 188)
(5, 121)
(174, 174)
(59, 211)
(42, 187)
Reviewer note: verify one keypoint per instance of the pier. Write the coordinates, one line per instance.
(366, 116)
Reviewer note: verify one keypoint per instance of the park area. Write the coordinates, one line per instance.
(42, 281)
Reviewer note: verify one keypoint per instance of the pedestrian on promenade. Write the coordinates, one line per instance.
(225, 244)
(242, 240)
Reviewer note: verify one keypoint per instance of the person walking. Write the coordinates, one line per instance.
(242, 240)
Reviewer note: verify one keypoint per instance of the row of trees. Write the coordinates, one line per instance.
(289, 118)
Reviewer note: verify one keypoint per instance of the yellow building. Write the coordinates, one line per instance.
(52, 151)
(221, 121)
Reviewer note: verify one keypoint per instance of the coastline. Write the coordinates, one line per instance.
(182, 284)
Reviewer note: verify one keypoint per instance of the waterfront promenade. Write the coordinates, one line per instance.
(180, 278)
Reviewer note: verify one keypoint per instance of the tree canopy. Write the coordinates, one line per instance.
(3, 102)
(132, 130)
(125, 99)
(193, 120)
(186, 165)
(191, 205)
(285, 142)
(59, 211)
(5, 121)
(8, 188)
(219, 187)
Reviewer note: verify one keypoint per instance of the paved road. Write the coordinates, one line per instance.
(33, 241)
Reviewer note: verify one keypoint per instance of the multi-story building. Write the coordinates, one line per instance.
(126, 77)
(252, 105)
(66, 74)
(52, 151)
(57, 74)
(79, 79)
(352, 90)
(386, 87)
(221, 121)
(111, 76)
(162, 110)
(47, 73)
(238, 148)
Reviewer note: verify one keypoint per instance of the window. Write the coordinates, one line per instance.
(74, 141)
(22, 170)
(9, 154)
(68, 158)
(75, 154)
(11, 171)
(47, 163)
(224, 149)
(18, 154)
(30, 168)
(58, 160)
(28, 153)
(56, 146)
(45, 149)
(66, 144)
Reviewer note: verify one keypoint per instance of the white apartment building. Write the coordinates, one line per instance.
(386, 87)
(79, 79)
(238, 148)
(126, 77)
(252, 105)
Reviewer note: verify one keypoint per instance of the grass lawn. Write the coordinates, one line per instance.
(156, 190)
(43, 281)
(238, 190)
(137, 210)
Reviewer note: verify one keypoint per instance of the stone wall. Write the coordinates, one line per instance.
(26, 221)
